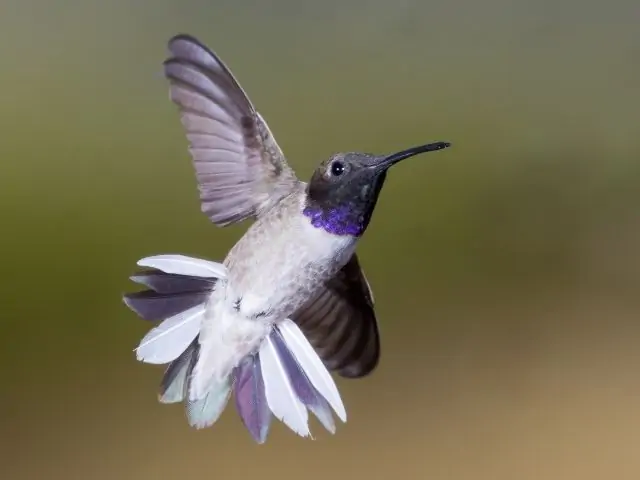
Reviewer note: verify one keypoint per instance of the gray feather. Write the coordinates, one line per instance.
(170, 294)
(240, 168)
(173, 388)
(151, 305)
(162, 282)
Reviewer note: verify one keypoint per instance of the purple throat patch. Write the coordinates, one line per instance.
(337, 221)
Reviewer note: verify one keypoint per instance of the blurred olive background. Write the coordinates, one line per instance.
(506, 269)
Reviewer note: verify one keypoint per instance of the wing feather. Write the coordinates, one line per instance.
(240, 169)
(340, 323)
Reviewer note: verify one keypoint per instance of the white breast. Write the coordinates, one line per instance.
(286, 271)
(273, 275)
(325, 246)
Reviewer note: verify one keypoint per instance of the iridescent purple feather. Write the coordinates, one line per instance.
(337, 221)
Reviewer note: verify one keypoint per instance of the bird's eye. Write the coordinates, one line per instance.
(337, 169)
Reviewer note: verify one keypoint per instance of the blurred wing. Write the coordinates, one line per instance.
(341, 325)
(240, 168)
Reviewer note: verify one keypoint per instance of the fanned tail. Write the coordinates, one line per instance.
(178, 289)
(285, 377)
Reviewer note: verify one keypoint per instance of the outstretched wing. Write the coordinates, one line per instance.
(340, 323)
(240, 169)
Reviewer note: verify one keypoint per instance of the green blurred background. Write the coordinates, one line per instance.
(506, 269)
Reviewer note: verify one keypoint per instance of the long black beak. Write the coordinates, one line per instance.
(410, 152)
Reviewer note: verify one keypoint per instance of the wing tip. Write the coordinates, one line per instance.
(362, 369)
(174, 42)
(183, 37)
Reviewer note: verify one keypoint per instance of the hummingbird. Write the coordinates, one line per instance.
(290, 304)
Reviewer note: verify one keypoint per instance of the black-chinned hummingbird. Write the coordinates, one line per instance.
(290, 303)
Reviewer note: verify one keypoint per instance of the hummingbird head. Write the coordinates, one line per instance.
(344, 189)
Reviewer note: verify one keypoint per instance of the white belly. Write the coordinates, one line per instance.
(226, 337)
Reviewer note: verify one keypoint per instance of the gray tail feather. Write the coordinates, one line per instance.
(168, 294)
(175, 381)
(301, 384)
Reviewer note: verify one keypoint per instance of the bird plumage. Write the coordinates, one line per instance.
(292, 375)
(290, 301)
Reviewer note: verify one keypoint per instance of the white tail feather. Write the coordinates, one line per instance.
(183, 265)
(312, 365)
(282, 399)
(168, 340)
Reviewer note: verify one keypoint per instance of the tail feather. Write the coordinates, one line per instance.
(312, 366)
(173, 388)
(179, 287)
(171, 338)
(205, 411)
(300, 382)
(183, 265)
(162, 282)
(280, 394)
(151, 305)
(251, 400)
